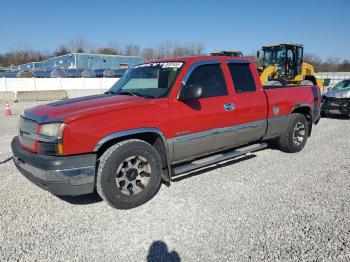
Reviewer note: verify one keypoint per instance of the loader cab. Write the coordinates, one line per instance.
(287, 57)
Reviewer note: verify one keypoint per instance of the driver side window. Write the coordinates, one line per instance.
(210, 78)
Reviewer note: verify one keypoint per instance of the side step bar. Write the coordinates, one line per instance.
(217, 158)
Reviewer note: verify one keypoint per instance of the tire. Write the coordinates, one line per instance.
(295, 135)
(306, 82)
(274, 83)
(129, 174)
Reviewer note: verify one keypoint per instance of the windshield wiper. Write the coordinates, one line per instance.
(128, 93)
(108, 92)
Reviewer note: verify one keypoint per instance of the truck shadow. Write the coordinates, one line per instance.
(212, 167)
(95, 198)
(82, 200)
(337, 117)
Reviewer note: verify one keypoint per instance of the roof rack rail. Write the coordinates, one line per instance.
(227, 53)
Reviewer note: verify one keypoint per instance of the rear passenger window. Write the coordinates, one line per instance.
(242, 77)
(210, 78)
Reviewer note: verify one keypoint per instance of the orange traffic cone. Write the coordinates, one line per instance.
(7, 111)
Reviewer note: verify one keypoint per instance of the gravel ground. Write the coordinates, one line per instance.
(268, 206)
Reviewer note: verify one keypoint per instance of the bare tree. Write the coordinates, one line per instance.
(332, 64)
(22, 56)
(195, 48)
(165, 49)
(116, 47)
(107, 51)
(62, 50)
(149, 53)
(132, 50)
(171, 49)
(344, 66)
(79, 45)
(313, 60)
(181, 51)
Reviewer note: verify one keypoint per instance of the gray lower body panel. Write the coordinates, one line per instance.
(187, 147)
(276, 126)
(67, 175)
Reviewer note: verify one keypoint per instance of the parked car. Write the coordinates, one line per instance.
(337, 100)
(161, 119)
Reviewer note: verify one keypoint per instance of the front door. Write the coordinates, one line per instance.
(196, 121)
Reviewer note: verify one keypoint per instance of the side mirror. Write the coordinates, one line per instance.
(258, 54)
(190, 92)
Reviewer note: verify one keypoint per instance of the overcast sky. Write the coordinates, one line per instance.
(322, 26)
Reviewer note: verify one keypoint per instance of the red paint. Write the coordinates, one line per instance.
(88, 121)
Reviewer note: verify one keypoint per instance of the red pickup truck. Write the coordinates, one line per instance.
(161, 119)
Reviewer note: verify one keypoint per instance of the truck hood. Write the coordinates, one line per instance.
(345, 93)
(72, 109)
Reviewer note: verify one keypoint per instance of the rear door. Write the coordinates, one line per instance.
(248, 119)
(196, 122)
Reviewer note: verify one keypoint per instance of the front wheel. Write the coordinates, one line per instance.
(296, 133)
(129, 174)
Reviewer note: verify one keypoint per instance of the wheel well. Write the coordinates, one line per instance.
(152, 138)
(306, 111)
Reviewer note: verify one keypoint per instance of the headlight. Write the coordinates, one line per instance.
(346, 94)
(52, 129)
(52, 143)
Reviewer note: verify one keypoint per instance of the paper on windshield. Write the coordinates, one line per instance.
(162, 65)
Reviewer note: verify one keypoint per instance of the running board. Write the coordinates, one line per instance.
(217, 158)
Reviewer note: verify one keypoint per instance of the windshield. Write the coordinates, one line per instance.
(342, 84)
(152, 80)
(274, 56)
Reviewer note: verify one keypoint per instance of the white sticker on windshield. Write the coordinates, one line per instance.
(145, 65)
(163, 65)
(172, 65)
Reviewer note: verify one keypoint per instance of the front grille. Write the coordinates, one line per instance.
(27, 127)
(27, 141)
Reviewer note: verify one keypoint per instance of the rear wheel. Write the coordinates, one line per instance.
(306, 82)
(294, 138)
(129, 174)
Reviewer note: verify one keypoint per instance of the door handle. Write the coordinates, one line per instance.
(229, 106)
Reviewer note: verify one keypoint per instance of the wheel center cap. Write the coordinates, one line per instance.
(131, 174)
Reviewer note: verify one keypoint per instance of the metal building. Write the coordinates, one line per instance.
(82, 61)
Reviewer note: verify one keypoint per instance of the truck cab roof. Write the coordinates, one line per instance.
(198, 58)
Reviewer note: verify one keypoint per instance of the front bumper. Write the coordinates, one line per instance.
(331, 105)
(60, 175)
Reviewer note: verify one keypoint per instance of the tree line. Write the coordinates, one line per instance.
(162, 50)
(331, 64)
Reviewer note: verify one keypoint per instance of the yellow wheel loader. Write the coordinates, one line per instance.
(283, 64)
